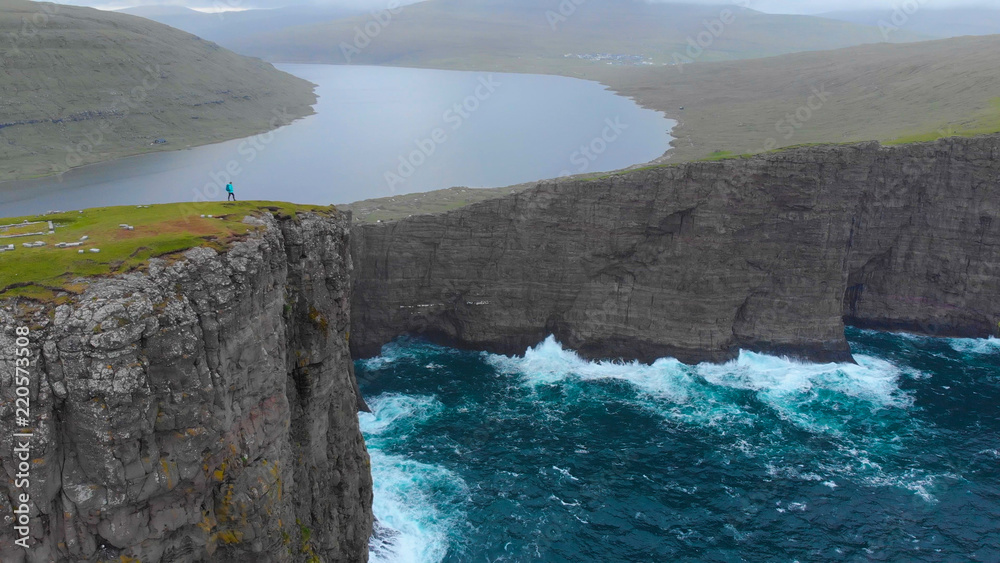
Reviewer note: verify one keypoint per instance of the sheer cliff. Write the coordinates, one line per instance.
(203, 409)
(771, 253)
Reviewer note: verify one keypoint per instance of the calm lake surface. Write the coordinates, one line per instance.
(382, 131)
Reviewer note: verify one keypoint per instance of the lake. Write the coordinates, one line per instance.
(382, 131)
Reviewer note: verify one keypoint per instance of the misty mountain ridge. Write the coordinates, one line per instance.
(943, 23)
(554, 36)
(225, 27)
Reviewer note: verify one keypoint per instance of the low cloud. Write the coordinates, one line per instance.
(212, 5)
(825, 6)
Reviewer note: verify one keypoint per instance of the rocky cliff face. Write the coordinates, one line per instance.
(696, 261)
(203, 410)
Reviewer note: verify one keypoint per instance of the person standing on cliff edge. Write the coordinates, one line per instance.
(229, 190)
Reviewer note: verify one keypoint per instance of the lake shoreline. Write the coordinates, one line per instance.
(362, 139)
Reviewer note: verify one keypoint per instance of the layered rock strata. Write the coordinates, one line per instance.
(697, 261)
(204, 409)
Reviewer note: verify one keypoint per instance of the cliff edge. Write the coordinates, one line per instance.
(204, 408)
(697, 261)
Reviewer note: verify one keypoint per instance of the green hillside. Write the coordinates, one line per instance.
(81, 86)
(889, 93)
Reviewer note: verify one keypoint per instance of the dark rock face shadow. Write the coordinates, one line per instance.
(772, 254)
(205, 410)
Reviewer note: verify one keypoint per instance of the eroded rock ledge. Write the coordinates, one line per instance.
(771, 253)
(203, 410)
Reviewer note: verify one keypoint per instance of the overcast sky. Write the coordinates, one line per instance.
(772, 6)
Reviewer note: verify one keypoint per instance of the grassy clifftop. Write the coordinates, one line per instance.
(80, 86)
(101, 246)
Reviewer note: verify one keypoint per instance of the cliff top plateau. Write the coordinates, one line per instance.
(44, 257)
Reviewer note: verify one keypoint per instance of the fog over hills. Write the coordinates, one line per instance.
(525, 35)
(952, 22)
(225, 27)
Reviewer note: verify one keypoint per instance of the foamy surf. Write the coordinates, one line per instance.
(412, 503)
(411, 499)
(558, 450)
(395, 409)
(861, 407)
(783, 384)
(989, 345)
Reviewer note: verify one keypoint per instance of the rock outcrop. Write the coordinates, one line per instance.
(204, 409)
(696, 261)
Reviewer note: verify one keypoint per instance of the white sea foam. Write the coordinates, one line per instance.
(871, 379)
(822, 399)
(409, 496)
(785, 385)
(390, 409)
(410, 501)
(989, 345)
(920, 482)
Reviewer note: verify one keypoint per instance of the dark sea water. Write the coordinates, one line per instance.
(546, 457)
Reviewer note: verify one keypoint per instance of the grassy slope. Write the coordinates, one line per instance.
(160, 230)
(224, 27)
(890, 93)
(931, 19)
(437, 201)
(73, 72)
(516, 35)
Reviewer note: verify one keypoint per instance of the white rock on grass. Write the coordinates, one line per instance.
(95, 250)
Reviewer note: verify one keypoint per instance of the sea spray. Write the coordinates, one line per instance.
(411, 498)
(552, 457)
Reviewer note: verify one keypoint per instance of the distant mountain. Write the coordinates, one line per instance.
(555, 35)
(225, 27)
(86, 85)
(936, 22)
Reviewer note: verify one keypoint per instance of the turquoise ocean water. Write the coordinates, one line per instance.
(547, 457)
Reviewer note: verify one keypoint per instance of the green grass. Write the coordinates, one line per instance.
(983, 123)
(48, 273)
(725, 155)
(437, 201)
(719, 155)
